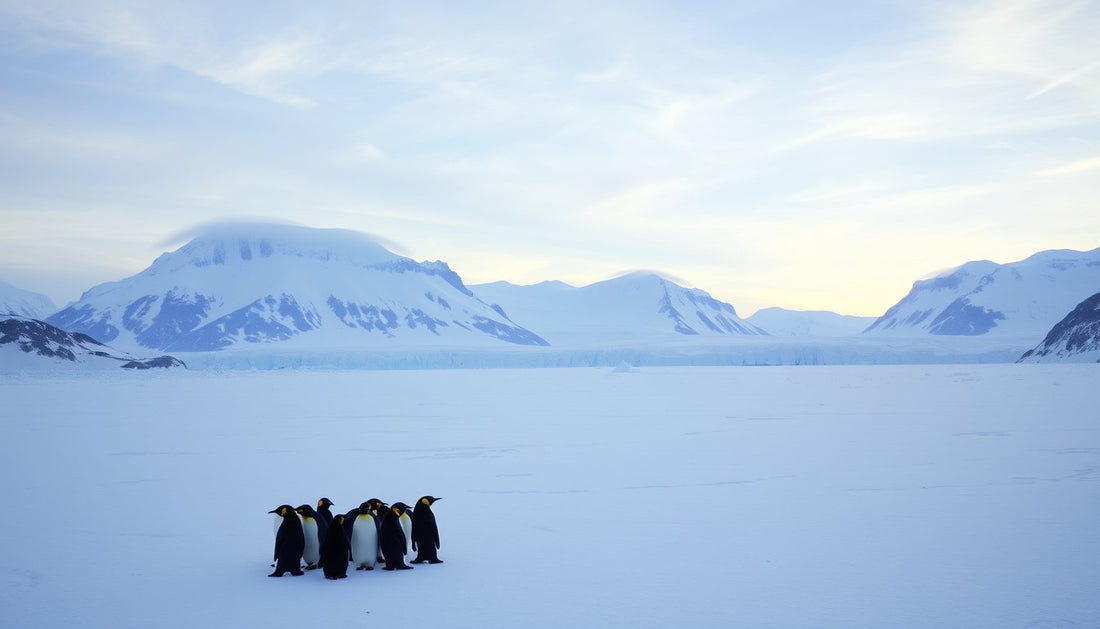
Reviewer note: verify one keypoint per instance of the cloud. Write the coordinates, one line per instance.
(1072, 168)
(618, 135)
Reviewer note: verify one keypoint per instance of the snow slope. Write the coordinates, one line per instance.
(1021, 299)
(783, 322)
(639, 306)
(786, 497)
(1076, 338)
(24, 303)
(243, 284)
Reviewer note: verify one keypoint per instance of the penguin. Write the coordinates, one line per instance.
(323, 510)
(335, 550)
(310, 528)
(364, 539)
(425, 534)
(276, 522)
(391, 538)
(290, 543)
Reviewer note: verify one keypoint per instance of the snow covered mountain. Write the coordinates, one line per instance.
(27, 343)
(1021, 299)
(21, 302)
(242, 284)
(637, 306)
(1076, 338)
(783, 322)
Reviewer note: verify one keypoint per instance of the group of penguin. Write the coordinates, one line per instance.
(372, 533)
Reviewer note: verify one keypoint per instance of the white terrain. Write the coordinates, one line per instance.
(935, 496)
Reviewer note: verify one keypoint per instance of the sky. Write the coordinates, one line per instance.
(808, 155)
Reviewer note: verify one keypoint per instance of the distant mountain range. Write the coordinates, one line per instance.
(631, 308)
(1020, 299)
(242, 286)
(24, 303)
(783, 322)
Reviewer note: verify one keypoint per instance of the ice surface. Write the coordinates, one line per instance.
(872, 496)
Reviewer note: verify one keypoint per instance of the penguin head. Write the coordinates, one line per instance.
(399, 508)
(324, 503)
(306, 511)
(373, 505)
(338, 519)
(282, 510)
(428, 500)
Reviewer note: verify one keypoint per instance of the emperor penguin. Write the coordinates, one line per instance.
(310, 528)
(425, 534)
(364, 539)
(335, 550)
(290, 543)
(391, 538)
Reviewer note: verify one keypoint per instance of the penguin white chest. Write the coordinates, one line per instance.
(312, 553)
(364, 542)
(407, 527)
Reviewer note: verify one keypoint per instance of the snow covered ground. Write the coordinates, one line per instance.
(796, 497)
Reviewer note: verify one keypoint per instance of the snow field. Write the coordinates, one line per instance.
(875, 496)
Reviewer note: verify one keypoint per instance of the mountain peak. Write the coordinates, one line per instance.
(231, 243)
(238, 284)
(1021, 298)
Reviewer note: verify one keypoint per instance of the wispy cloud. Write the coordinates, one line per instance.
(615, 134)
(1072, 168)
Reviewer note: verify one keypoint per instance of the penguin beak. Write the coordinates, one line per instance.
(274, 511)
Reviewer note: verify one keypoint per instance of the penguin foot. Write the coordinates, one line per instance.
(418, 560)
(296, 573)
(387, 568)
(435, 561)
(275, 574)
(311, 567)
(404, 567)
(360, 567)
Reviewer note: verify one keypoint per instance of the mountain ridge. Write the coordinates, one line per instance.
(1076, 338)
(1023, 298)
